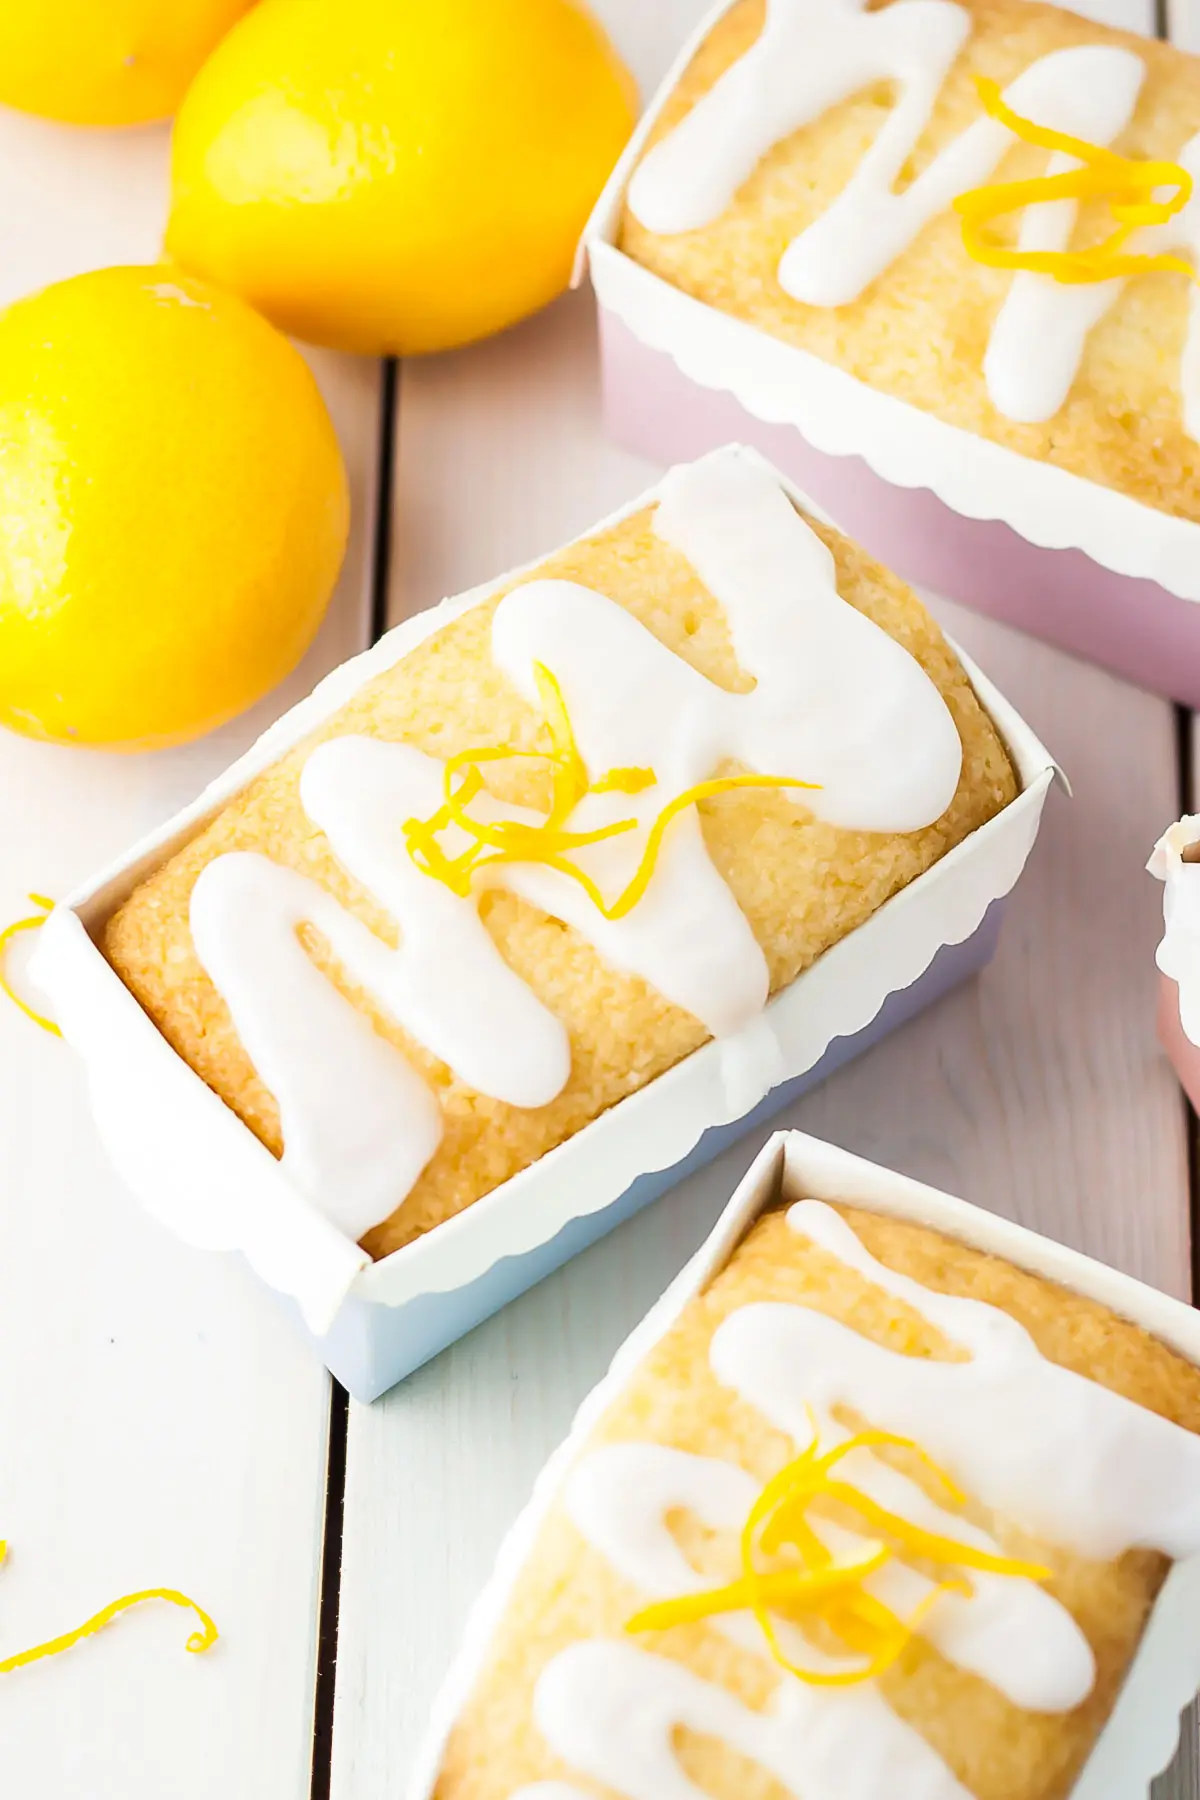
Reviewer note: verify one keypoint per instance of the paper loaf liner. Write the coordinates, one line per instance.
(1183, 1054)
(1090, 569)
(1143, 1729)
(192, 1162)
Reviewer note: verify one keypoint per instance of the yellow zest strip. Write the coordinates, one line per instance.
(197, 1643)
(512, 841)
(785, 1589)
(930, 1544)
(6, 938)
(821, 1587)
(864, 1624)
(570, 773)
(778, 1529)
(1128, 184)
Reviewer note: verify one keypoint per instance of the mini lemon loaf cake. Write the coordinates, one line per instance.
(591, 821)
(983, 209)
(878, 1515)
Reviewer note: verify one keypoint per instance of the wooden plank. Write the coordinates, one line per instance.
(1183, 23)
(1124, 15)
(160, 1423)
(1038, 1091)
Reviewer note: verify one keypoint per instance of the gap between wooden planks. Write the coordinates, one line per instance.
(160, 1422)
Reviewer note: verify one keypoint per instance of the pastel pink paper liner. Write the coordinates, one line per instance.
(1184, 1055)
(1134, 627)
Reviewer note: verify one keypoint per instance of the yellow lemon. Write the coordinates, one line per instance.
(173, 509)
(397, 175)
(106, 62)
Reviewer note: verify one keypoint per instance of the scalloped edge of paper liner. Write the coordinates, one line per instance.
(841, 416)
(1142, 1731)
(194, 1164)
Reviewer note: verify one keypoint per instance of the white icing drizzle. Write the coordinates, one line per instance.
(834, 697)
(1178, 954)
(447, 983)
(1073, 1462)
(1041, 331)
(810, 56)
(814, 54)
(1088, 90)
(836, 701)
(1010, 1631)
(341, 1089)
(612, 1710)
(1038, 340)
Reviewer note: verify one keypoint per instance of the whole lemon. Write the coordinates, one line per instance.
(106, 62)
(173, 509)
(397, 176)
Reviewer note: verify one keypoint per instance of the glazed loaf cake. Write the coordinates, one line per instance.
(1014, 1465)
(407, 1044)
(802, 177)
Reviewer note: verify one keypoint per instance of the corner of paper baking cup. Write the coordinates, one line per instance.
(841, 416)
(184, 1155)
(1142, 1731)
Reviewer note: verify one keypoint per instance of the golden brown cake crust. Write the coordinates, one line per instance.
(802, 884)
(920, 331)
(568, 1591)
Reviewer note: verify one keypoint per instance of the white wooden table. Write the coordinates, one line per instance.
(158, 1422)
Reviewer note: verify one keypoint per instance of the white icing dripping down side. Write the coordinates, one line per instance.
(1072, 1462)
(612, 1711)
(1009, 1631)
(837, 701)
(814, 54)
(1178, 955)
(357, 1157)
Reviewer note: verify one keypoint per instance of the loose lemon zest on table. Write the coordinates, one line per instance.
(513, 841)
(197, 1643)
(822, 1587)
(6, 937)
(1127, 184)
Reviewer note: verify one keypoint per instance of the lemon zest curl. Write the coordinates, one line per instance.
(820, 1586)
(548, 843)
(196, 1645)
(1127, 184)
(9, 932)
